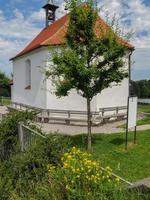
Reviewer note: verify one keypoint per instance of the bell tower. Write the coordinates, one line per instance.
(50, 10)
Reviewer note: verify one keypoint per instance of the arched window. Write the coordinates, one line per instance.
(28, 75)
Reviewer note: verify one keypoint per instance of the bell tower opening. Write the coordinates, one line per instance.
(50, 10)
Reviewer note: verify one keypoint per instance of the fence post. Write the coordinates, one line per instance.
(103, 111)
(117, 110)
(68, 120)
(20, 133)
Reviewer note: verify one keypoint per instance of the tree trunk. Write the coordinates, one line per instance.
(89, 138)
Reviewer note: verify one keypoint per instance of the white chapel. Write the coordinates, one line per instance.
(31, 88)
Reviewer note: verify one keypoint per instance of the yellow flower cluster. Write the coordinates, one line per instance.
(80, 170)
(50, 168)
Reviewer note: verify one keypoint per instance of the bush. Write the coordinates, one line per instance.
(27, 171)
(9, 132)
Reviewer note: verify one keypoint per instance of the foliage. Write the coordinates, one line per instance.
(9, 132)
(87, 63)
(26, 173)
(4, 85)
(141, 88)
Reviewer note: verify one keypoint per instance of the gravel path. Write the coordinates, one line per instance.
(3, 110)
(74, 130)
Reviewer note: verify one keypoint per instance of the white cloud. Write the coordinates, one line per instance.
(19, 27)
(132, 15)
(16, 32)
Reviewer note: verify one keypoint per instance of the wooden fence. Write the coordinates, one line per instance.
(102, 116)
(27, 136)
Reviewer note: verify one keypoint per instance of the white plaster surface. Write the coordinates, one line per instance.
(41, 93)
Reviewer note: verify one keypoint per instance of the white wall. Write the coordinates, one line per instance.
(36, 96)
(41, 94)
(71, 102)
(114, 97)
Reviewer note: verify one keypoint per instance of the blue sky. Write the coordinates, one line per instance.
(21, 20)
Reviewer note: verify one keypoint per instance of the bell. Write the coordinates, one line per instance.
(50, 15)
(50, 9)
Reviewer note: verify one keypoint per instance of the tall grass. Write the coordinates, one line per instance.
(4, 101)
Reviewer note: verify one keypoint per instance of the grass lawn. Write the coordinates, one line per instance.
(144, 121)
(4, 101)
(133, 164)
(144, 108)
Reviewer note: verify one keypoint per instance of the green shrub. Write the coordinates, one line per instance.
(28, 170)
(5, 181)
(9, 132)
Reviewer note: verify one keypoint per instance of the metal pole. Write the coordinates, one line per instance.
(135, 133)
(130, 73)
(126, 143)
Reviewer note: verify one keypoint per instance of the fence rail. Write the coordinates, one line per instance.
(27, 136)
(68, 116)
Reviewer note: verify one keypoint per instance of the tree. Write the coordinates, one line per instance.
(89, 62)
(141, 88)
(4, 85)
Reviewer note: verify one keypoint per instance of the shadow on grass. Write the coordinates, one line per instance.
(117, 141)
(81, 140)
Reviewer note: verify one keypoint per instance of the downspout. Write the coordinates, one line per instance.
(130, 54)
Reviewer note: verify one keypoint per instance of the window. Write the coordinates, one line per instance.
(28, 74)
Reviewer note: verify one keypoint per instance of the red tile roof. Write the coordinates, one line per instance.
(55, 35)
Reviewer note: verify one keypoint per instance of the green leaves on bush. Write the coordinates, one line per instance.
(9, 132)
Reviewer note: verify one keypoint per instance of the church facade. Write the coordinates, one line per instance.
(30, 86)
